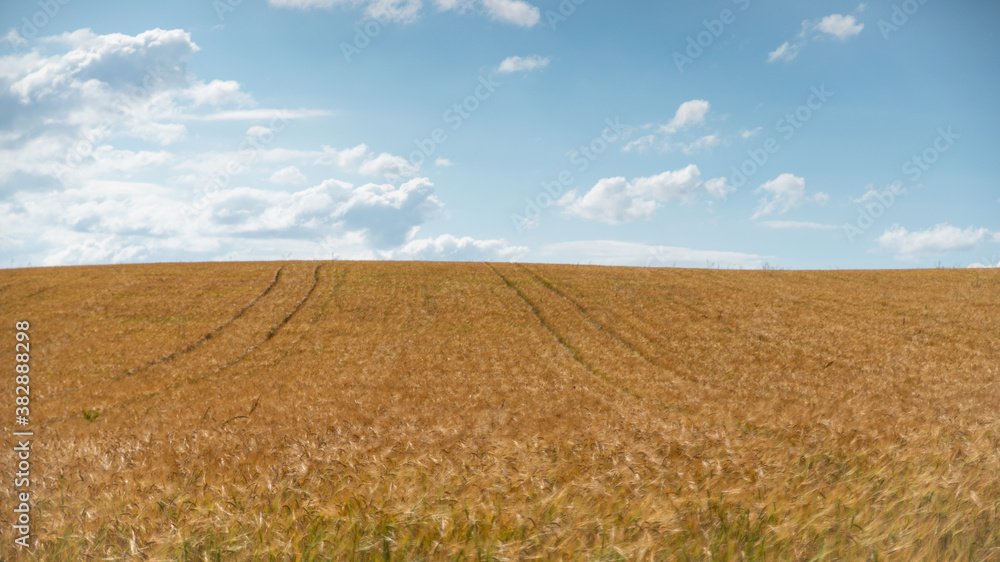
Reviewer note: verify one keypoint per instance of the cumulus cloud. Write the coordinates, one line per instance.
(218, 92)
(66, 110)
(941, 239)
(512, 11)
(525, 64)
(783, 194)
(289, 176)
(106, 221)
(361, 160)
(68, 100)
(617, 200)
(256, 115)
(450, 248)
(516, 12)
(839, 26)
(615, 252)
(785, 52)
(402, 11)
(389, 214)
(702, 143)
(14, 38)
(689, 115)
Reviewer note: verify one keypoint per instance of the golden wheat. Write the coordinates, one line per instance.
(346, 410)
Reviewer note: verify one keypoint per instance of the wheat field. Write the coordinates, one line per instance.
(430, 411)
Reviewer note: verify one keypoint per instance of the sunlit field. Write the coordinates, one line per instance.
(408, 411)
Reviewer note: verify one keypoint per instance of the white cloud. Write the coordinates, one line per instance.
(64, 165)
(613, 252)
(259, 131)
(450, 248)
(516, 12)
(786, 52)
(707, 141)
(616, 200)
(248, 163)
(641, 144)
(360, 159)
(519, 64)
(442, 162)
(840, 26)
(512, 11)
(388, 214)
(611, 201)
(258, 115)
(14, 38)
(689, 113)
(107, 221)
(289, 176)
(747, 133)
(780, 195)
(783, 194)
(386, 165)
(72, 97)
(218, 92)
(940, 239)
(153, 60)
(403, 11)
(106, 160)
(868, 196)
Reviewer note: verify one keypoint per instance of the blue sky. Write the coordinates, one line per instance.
(729, 133)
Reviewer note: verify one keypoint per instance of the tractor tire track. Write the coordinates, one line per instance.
(270, 334)
(243, 377)
(617, 336)
(274, 329)
(187, 348)
(175, 382)
(573, 351)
